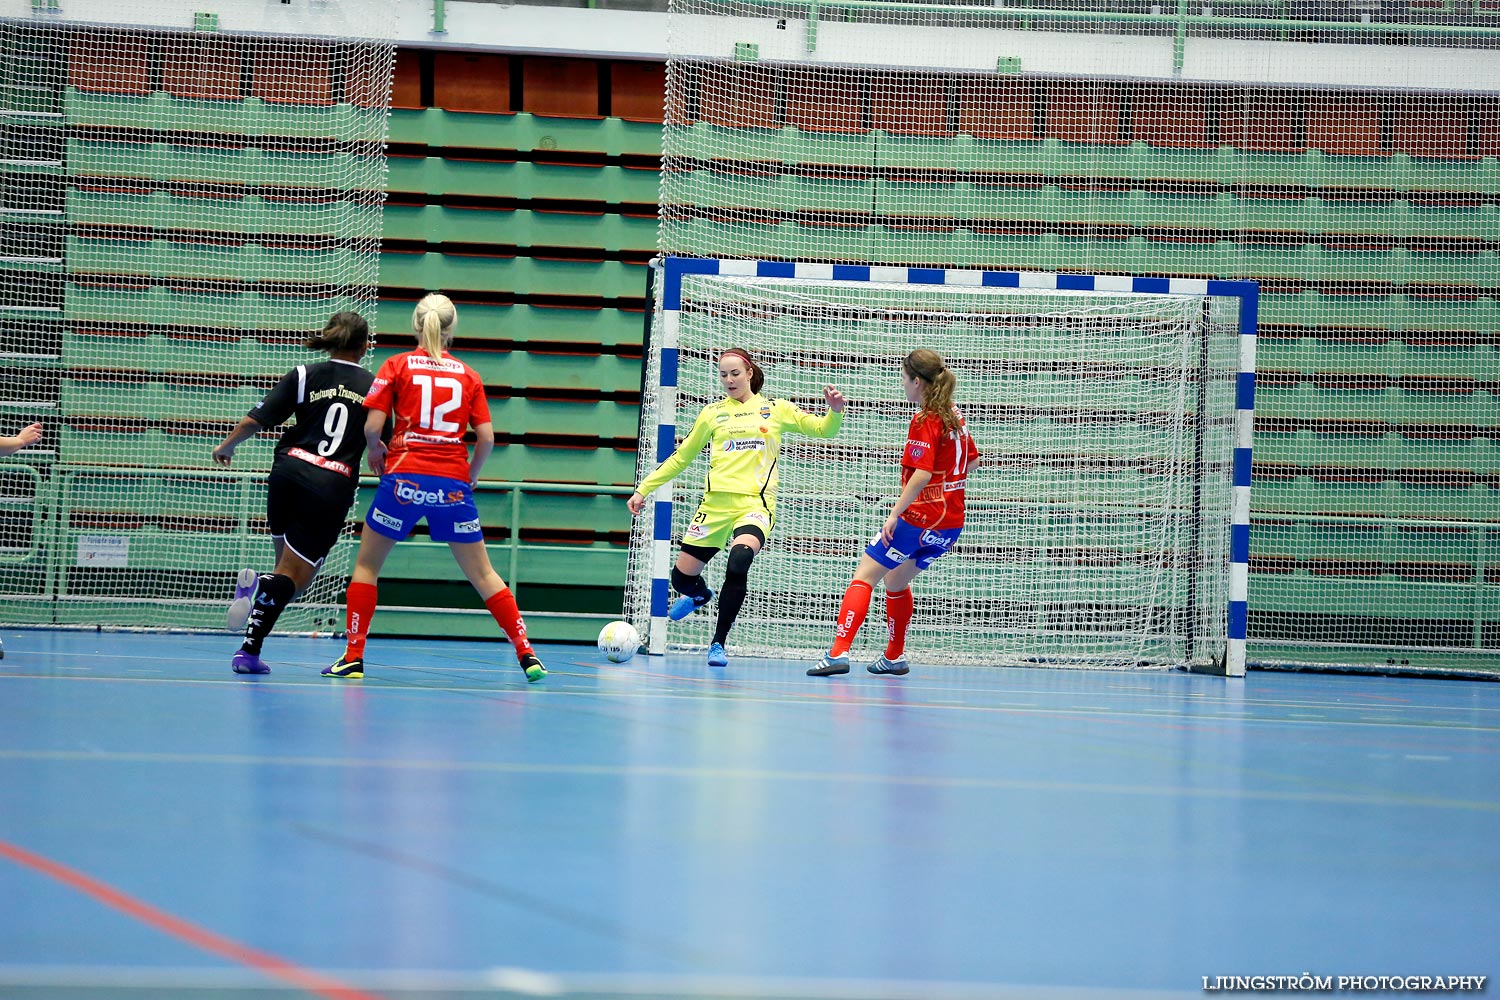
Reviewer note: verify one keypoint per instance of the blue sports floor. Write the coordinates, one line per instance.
(659, 829)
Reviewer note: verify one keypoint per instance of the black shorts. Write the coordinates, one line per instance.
(309, 521)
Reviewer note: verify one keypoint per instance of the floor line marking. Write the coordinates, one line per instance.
(760, 774)
(270, 965)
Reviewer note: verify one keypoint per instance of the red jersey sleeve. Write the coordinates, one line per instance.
(479, 412)
(381, 390)
(922, 442)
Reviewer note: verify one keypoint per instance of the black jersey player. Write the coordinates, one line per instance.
(313, 477)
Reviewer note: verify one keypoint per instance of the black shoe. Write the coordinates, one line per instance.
(350, 669)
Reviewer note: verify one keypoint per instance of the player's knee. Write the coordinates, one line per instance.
(740, 558)
(686, 585)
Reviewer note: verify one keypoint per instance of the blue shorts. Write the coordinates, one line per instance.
(403, 499)
(925, 545)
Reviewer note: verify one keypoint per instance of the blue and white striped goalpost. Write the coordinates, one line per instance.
(673, 270)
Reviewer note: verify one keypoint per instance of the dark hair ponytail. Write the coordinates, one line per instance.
(757, 375)
(345, 332)
(938, 383)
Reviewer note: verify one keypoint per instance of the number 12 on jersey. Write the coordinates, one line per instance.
(435, 418)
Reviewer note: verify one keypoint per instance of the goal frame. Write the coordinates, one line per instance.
(672, 271)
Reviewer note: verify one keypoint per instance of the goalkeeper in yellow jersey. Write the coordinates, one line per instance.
(744, 432)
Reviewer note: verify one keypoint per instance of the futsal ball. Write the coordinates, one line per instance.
(618, 641)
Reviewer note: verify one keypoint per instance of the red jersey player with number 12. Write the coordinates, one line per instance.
(924, 522)
(427, 472)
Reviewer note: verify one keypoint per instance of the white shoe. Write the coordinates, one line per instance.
(244, 597)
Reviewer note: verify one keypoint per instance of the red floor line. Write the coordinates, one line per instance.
(277, 968)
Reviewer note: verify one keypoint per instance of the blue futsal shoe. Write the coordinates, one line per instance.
(885, 665)
(244, 598)
(830, 665)
(248, 663)
(685, 605)
(716, 655)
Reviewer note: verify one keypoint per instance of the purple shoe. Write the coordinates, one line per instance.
(248, 663)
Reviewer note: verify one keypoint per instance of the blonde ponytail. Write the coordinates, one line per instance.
(938, 382)
(434, 320)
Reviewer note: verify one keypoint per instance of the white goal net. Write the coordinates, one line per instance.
(183, 199)
(1099, 515)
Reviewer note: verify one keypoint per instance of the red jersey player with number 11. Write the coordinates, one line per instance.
(924, 522)
(427, 472)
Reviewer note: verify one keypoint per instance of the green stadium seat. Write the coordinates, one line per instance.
(1262, 261)
(520, 368)
(897, 151)
(1309, 400)
(827, 148)
(203, 494)
(1309, 540)
(1280, 215)
(113, 159)
(1478, 406)
(709, 188)
(520, 462)
(169, 450)
(252, 115)
(521, 228)
(247, 356)
(518, 275)
(156, 400)
(546, 511)
(747, 239)
(522, 180)
(193, 163)
(1387, 596)
(1349, 171)
(1390, 450)
(598, 565)
(1008, 156)
(520, 415)
(525, 132)
(247, 214)
(606, 327)
(829, 194)
(1479, 222)
(1243, 166)
(1042, 252)
(1415, 173)
(1313, 309)
(246, 262)
(919, 200)
(1310, 354)
(706, 141)
(1146, 162)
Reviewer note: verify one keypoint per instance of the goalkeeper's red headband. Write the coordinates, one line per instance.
(738, 354)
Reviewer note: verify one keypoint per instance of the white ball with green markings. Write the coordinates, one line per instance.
(618, 641)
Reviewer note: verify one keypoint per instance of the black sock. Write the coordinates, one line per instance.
(271, 598)
(732, 594)
(690, 586)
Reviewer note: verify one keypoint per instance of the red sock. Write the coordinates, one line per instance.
(502, 605)
(851, 616)
(897, 617)
(360, 600)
